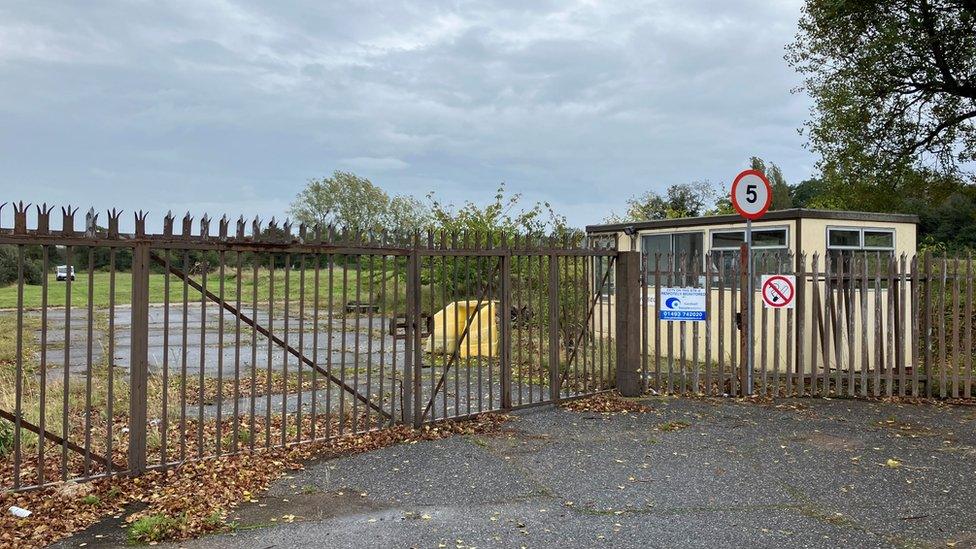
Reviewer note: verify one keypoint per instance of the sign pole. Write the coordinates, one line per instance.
(751, 196)
(749, 320)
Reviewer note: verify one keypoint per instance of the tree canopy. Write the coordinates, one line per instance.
(503, 214)
(781, 190)
(894, 85)
(701, 198)
(680, 200)
(348, 200)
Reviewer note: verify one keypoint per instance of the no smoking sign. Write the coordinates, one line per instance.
(779, 291)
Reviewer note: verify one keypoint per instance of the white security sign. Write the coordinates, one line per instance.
(682, 304)
(778, 291)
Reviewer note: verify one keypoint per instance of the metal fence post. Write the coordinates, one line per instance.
(139, 358)
(411, 370)
(505, 331)
(554, 377)
(627, 323)
(418, 343)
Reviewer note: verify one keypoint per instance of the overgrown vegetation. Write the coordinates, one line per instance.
(6, 438)
(157, 527)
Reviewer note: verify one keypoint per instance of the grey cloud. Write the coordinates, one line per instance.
(166, 105)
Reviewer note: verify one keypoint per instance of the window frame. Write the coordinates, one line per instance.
(784, 228)
(860, 238)
(865, 247)
(671, 236)
(845, 252)
(600, 263)
(734, 251)
(648, 259)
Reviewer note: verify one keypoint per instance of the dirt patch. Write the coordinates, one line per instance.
(607, 403)
(825, 441)
(304, 504)
(907, 429)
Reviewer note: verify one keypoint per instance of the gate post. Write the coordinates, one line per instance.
(627, 323)
(554, 377)
(138, 358)
(505, 321)
(412, 392)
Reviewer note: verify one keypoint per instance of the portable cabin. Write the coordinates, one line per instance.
(856, 307)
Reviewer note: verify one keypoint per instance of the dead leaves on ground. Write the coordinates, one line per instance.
(606, 403)
(196, 495)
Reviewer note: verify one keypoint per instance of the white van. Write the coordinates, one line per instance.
(64, 271)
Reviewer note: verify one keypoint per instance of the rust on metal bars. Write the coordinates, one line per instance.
(264, 331)
(57, 440)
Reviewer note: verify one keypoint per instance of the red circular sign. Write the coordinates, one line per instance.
(778, 295)
(751, 194)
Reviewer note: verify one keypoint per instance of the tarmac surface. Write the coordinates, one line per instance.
(691, 473)
(353, 339)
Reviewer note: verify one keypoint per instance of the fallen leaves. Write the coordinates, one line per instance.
(669, 426)
(195, 497)
(606, 403)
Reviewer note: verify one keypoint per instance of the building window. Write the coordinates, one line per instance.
(601, 262)
(686, 250)
(770, 247)
(874, 248)
(879, 240)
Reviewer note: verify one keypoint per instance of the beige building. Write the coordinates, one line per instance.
(864, 325)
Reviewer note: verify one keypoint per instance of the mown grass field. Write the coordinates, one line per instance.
(101, 288)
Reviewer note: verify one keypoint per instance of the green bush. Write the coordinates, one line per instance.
(6, 438)
(8, 267)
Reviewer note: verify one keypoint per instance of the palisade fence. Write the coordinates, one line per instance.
(864, 324)
(164, 348)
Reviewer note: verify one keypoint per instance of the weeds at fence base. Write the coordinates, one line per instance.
(606, 403)
(193, 499)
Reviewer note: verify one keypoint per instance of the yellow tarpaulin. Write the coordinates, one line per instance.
(449, 323)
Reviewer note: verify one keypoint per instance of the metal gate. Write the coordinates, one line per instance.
(159, 348)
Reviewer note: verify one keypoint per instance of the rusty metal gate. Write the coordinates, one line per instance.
(130, 352)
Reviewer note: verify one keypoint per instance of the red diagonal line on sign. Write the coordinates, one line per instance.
(777, 290)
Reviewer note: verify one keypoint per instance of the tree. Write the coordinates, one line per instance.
(474, 224)
(803, 193)
(894, 85)
(781, 191)
(406, 213)
(681, 200)
(347, 200)
(502, 214)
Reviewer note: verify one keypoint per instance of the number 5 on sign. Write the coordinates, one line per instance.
(751, 194)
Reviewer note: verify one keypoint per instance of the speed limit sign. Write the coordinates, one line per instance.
(751, 194)
(751, 197)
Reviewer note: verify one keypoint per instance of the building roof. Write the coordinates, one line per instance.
(777, 215)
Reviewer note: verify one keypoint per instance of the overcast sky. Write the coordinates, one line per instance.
(230, 107)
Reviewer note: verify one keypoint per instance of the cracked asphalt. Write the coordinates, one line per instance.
(691, 473)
